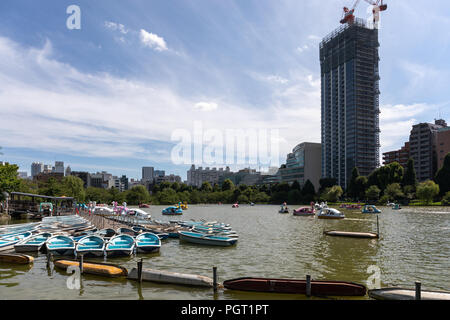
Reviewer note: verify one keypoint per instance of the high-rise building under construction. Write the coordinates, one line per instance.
(350, 101)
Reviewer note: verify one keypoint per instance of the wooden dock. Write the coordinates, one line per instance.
(101, 222)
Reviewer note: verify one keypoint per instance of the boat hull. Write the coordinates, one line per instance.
(147, 249)
(329, 217)
(62, 252)
(207, 241)
(119, 252)
(320, 288)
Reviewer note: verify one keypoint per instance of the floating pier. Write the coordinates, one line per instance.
(95, 268)
(16, 258)
(366, 235)
(171, 278)
(407, 294)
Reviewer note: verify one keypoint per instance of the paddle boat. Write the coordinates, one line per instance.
(172, 211)
(120, 245)
(148, 242)
(206, 239)
(330, 213)
(252, 204)
(305, 211)
(33, 244)
(138, 213)
(283, 209)
(144, 205)
(182, 206)
(368, 208)
(236, 205)
(91, 246)
(61, 245)
(7, 242)
(319, 206)
(396, 206)
(46, 208)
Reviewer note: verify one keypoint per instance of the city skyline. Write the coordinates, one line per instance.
(189, 61)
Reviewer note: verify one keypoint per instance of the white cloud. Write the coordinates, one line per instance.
(206, 106)
(152, 40)
(116, 26)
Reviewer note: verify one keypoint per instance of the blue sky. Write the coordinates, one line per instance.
(109, 96)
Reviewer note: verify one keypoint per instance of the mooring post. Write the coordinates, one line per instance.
(81, 263)
(48, 259)
(308, 285)
(378, 228)
(139, 266)
(418, 290)
(215, 279)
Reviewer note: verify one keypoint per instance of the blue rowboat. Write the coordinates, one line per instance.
(148, 242)
(172, 211)
(61, 245)
(7, 242)
(207, 239)
(370, 209)
(230, 234)
(33, 244)
(160, 234)
(91, 246)
(120, 245)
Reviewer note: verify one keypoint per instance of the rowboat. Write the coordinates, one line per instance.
(96, 268)
(206, 239)
(396, 206)
(148, 242)
(216, 232)
(120, 245)
(106, 233)
(235, 205)
(93, 246)
(127, 231)
(33, 244)
(8, 242)
(305, 211)
(318, 288)
(16, 258)
(172, 211)
(330, 213)
(407, 294)
(370, 209)
(61, 245)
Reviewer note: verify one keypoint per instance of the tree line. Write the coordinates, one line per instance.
(385, 184)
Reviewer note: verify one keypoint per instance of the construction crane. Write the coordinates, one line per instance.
(349, 16)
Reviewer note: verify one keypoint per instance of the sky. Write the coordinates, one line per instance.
(113, 94)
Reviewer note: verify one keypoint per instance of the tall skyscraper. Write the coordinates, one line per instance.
(36, 168)
(148, 173)
(59, 167)
(350, 101)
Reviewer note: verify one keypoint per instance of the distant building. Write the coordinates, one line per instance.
(423, 147)
(59, 167)
(102, 180)
(247, 176)
(159, 173)
(302, 164)
(48, 168)
(22, 175)
(349, 63)
(196, 177)
(148, 173)
(85, 176)
(44, 177)
(401, 156)
(170, 178)
(68, 171)
(442, 145)
(36, 168)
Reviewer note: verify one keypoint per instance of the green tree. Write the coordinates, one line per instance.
(227, 185)
(139, 194)
(296, 186)
(294, 196)
(373, 192)
(427, 190)
(385, 175)
(206, 187)
(394, 191)
(73, 187)
(308, 191)
(116, 195)
(8, 178)
(443, 176)
(326, 183)
(361, 187)
(334, 193)
(352, 190)
(52, 188)
(446, 199)
(409, 177)
(98, 195)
